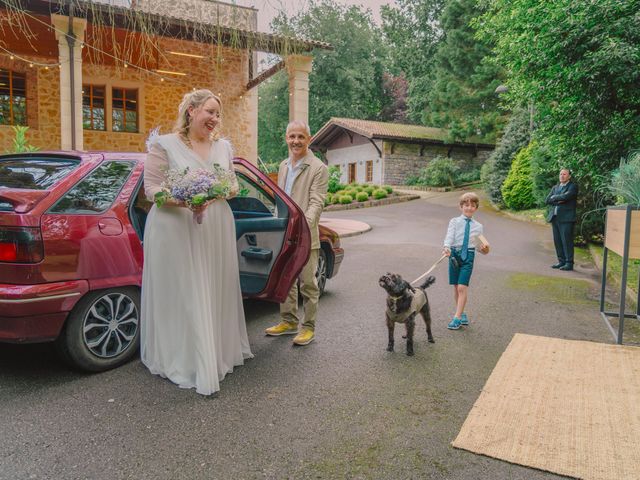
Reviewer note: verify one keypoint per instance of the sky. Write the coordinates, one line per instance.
(268, 9)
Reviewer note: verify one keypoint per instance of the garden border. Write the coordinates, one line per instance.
(399, 198)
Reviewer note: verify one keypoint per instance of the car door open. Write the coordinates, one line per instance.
(272, 235)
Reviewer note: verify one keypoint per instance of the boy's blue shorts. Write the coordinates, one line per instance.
(461, 274)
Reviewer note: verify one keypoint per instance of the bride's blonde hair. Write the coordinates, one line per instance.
(195, 99)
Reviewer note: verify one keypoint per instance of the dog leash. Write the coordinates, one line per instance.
(430, 270)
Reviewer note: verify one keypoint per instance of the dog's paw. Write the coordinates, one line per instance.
(409, 353)
(390, 348)
(431, 340)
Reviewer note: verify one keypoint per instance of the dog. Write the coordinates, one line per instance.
(404, 302)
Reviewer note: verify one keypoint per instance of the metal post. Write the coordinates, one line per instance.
(603, 284)
(625, 261)
(71, 40)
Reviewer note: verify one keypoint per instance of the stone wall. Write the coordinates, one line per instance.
(159, 100)
(223, 70)
(403, 160)
(43, 104)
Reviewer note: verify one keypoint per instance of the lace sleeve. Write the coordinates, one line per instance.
(155, 170)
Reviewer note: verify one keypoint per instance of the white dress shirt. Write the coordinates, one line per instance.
(292, 172)
(455, 232)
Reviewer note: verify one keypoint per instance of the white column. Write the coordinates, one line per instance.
(298, 68)
(61, 25)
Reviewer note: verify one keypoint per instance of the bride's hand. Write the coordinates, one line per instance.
(201, 208)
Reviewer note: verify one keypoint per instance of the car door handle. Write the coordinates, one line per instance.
(251, 240)
(257, 253)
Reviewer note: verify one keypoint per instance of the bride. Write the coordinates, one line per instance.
(193, 328)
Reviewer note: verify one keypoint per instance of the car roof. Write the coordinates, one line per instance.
(83, 157)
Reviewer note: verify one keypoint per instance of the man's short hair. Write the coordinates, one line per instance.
(568, 170)
(299, 124)
(470, 197)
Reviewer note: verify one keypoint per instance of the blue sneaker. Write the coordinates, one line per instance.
(454, 324)
(463, 319)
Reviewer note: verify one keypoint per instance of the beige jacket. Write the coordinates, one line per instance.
(309, 190)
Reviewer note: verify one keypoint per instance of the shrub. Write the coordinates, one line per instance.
(362, 196)
(359, 188)
(495, 170)
(388, 188)
(468, 176)
(517, 189)
(336, 199)
(346, 199)
(379, 193)
(351, 192)
(334, 180)
(339, 192)
(328, 200)
(369, 189)
(544, 172)
(440, 172)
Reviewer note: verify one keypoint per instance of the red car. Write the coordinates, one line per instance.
(71, 229)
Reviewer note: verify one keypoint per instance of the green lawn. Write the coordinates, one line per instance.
(614, 267)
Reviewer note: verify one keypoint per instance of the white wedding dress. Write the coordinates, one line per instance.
(193, 328)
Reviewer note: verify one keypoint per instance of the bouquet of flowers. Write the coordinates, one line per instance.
(196, 187)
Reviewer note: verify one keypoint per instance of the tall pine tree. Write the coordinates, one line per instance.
(462, 96)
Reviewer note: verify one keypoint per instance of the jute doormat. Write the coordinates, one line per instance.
(568, 407)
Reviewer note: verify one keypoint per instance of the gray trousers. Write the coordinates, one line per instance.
(310, 294)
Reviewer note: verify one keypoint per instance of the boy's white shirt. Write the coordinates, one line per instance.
(455, 232)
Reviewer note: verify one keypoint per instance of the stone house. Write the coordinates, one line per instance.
(131, 63)
(390, 153)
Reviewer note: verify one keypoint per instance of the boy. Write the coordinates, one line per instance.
(462, 234)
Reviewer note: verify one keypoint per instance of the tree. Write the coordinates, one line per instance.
(395, 88)
(462, 97)
(494, 171)
(576, 62)
(345, 82)
(412, 32)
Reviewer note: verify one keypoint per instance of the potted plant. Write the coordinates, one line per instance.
(271, 169)
(623, 219)
(622, 233)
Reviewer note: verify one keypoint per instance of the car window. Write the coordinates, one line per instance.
(255, 198)
(97, 191)
(34, 173)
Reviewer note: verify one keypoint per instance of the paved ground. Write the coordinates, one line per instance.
(339, 408)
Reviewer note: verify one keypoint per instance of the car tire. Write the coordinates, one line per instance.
(102, 331)
(321, 270)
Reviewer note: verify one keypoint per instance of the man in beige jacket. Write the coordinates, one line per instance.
(304, 177)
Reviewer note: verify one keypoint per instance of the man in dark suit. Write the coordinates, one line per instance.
(562, 216)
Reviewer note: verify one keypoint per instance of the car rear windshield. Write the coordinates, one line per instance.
(34, 173)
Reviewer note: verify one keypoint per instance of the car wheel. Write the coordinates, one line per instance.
(321, 271)
(102, 331)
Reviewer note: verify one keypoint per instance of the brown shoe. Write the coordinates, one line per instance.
(305, 337)
(283, 328)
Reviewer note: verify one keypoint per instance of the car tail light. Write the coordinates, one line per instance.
(20, 245)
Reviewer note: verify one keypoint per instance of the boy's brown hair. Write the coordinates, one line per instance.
(470, 197)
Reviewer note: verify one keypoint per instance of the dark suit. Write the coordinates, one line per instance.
(562, 216)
